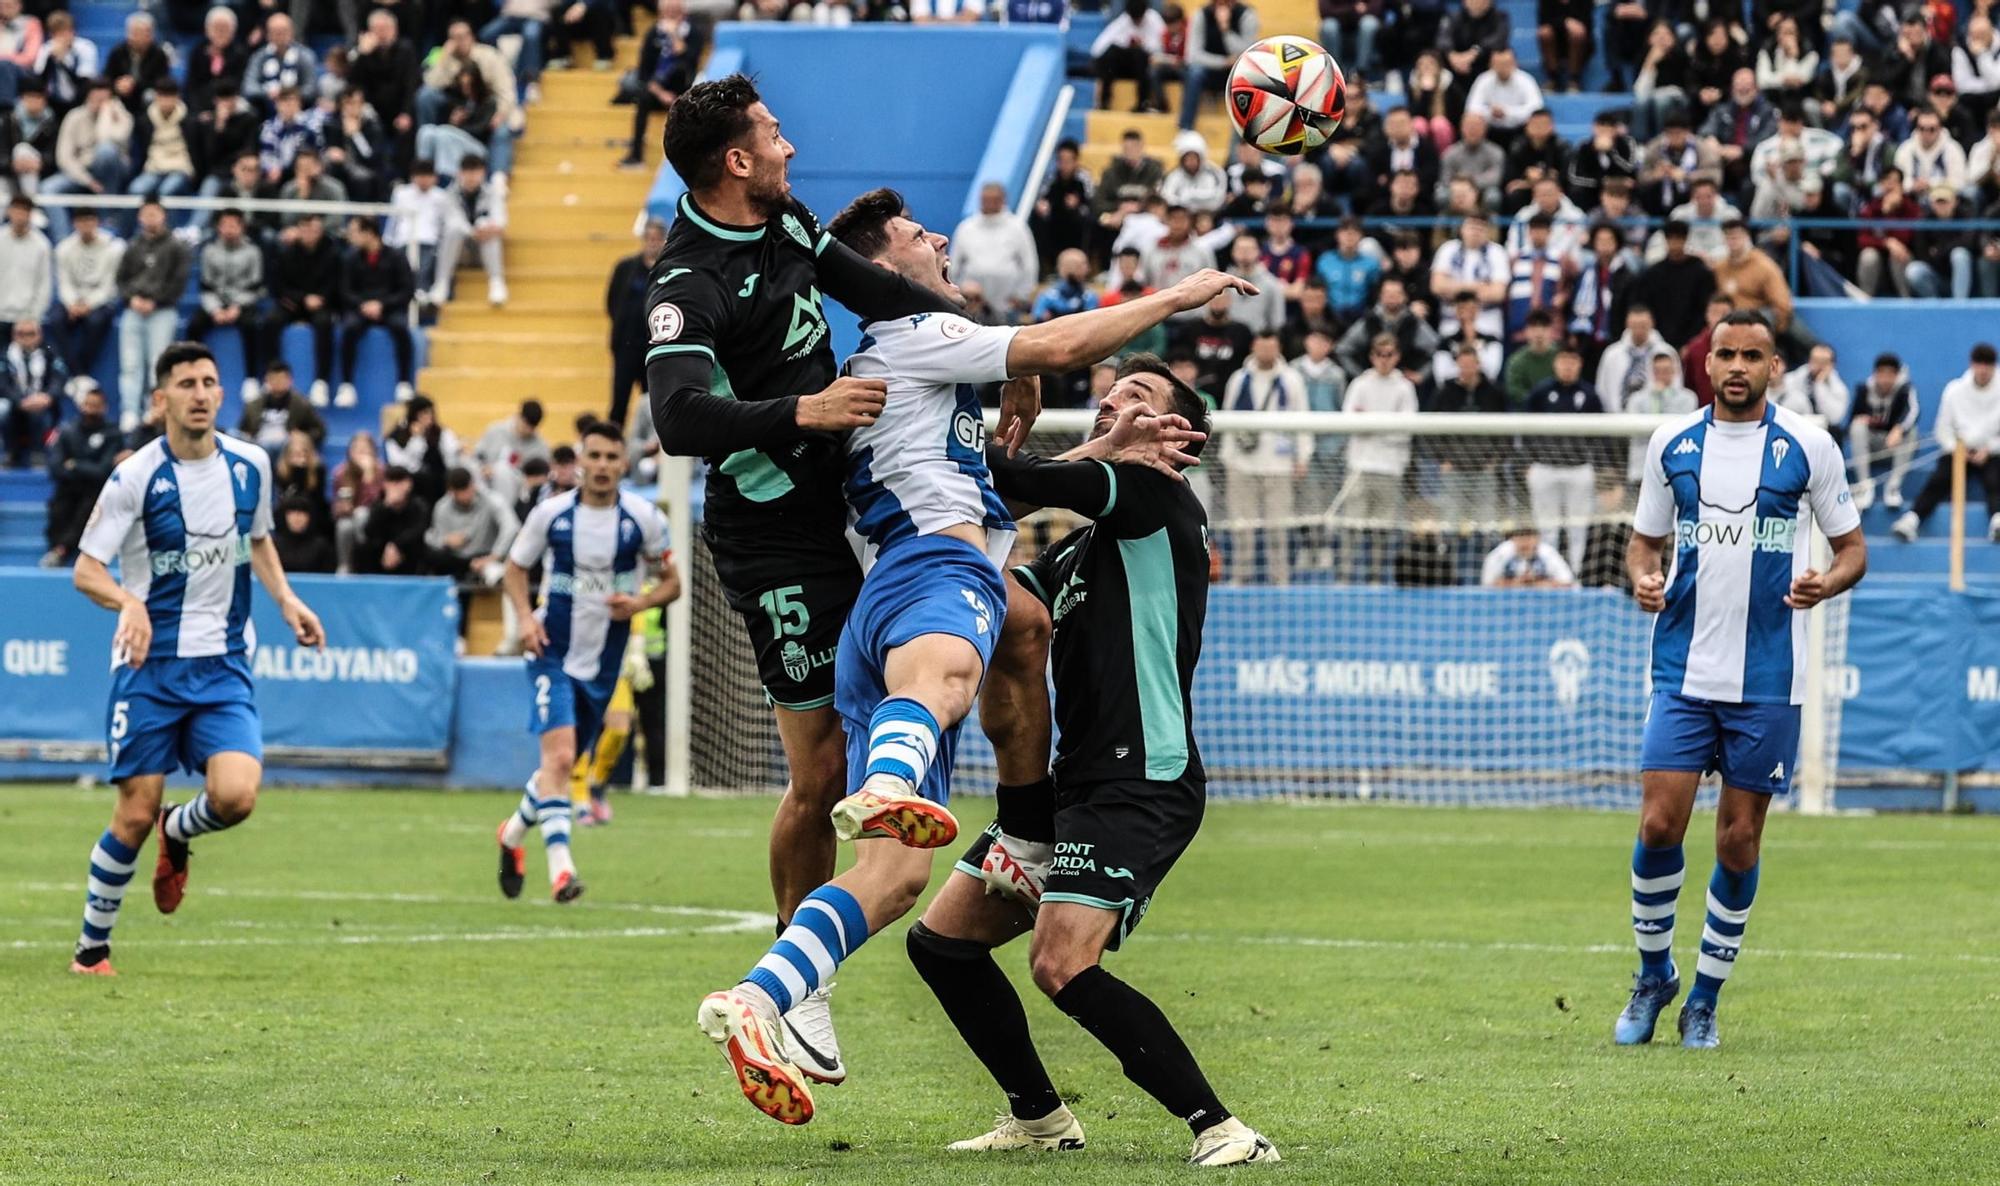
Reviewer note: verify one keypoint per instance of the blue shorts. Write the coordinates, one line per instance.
(1754, 746)
(175, 714)
(562, 701)
(933, 584)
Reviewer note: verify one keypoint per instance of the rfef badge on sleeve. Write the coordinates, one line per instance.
(664, 322)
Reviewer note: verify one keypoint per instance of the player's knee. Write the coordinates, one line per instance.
(1660, 828)
(1736, 844)
(232, 804)
(559, 758)
(1054, 965)
(927, 947)
(135, 813)
(1024, 637)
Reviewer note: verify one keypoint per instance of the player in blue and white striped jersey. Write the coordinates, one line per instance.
(1734, 488)
(188, 519)
(597, 545)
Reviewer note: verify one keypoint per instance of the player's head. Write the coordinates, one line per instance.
(719, 135)
(1147, 379)
(188, 388)
(1741, 358)
(601, 456)
(879, 227)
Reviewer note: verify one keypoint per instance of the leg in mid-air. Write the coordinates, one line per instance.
(227, 799)
(1014, 712)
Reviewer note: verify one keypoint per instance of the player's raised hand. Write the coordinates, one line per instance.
(1808, 590)
(1651, 592)
(534, 637)
(848, 403)
(1020, 406)
(1139, 437)
(1204, 286)
(134, 637)
(304, 623)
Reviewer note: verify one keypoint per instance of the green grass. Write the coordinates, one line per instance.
(1393, 995)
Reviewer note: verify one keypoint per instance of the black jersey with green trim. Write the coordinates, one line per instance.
(747, 299)
(1129, 596)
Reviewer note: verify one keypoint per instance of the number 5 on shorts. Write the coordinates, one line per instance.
(788, 614)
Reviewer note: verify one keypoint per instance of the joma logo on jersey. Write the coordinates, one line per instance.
(808, 326)
(1764, 535)
(216, 555)
(799, 663)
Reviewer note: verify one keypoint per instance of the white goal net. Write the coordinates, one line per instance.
(1424, 608)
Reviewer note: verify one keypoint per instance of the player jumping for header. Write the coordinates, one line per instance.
(1731, 486)
(188, 518)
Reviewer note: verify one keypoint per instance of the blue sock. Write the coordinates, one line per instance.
(902, 740)
(196, 817)
(827, 927)
(1729, 898)
(111, 866)
(1657, 874)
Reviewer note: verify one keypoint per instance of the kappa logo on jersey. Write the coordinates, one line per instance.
(664, 322)
(1686, 447)
(164, 486)
(808, 325)
(1779, 448)
(796, 230)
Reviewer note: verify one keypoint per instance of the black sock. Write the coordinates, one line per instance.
(1153, 1056)
(982, 1003)
(1028, 812)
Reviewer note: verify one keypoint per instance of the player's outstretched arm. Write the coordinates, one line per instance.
(1084, 480)
(1850, 564)
(134, 636)
(1080, 339)
(271, 574)
(692, 421)
(870, 291)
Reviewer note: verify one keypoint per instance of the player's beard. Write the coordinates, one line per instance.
(767, 191)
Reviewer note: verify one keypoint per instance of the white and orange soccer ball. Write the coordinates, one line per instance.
(1286, 95)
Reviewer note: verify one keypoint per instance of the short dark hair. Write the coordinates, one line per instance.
(458, 478)
(1887, 361)
(1676, 228)
(1735, 224)
(365, 222)
(864, 225)
(422, 167)
(417, 405)
(1541, 220)
(531, 411)
(1638, 307)
(535, 467)
(295, 502)
(277, 366)
(1541, 317)
(603, 429)
(1188, 404)
(178, 354)
(1067, 142)
(229, 212)
(562, 455)
(1750, 317)
(1984, 353)
(1570, 348)
(21, 202)
(704, 123)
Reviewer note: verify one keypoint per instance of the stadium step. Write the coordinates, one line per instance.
(456, 348)
(554, 317)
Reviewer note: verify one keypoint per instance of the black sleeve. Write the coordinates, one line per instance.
(1038, 576)
(1142, 500)
(1087, 487)
(685, 319)
(870, 292)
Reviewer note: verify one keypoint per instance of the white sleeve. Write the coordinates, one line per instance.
(1495, 566)
(533, 538)
(1832, 504)
(114, 517)
(1558, 569)
(1655, 514)
(260, 520)
(656, 535)
(947, 348)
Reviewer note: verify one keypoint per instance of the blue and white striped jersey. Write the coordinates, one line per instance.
(921, 467)
(1732, 499)
(181, 532)
(592, 552)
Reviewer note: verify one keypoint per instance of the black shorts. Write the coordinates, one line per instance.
(794, 590)
(1115, 842)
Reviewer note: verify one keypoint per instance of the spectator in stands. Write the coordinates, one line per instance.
(1474, 158)
(1525, 561)
(293, 128)
(1401, 149)
(1884, 420)
(1536, 154)
(65, 65)
(1752, 280)
(33, 379)
(359, 152)
(469, 532)
(668, 58)
(375, 290)
(423, 446)
(139, 63)
(534, 484)
(461, 49)
(1132, 176)
(219, 137)
(1981, 183)
(1704, 214)
(527, 19)
(1889, 116)
(939, 12)
(1217, 342)
(1626, 366)
(232, 291)
(1694, 355)
(1361, 20)
(168, 169)
(306, 286)
(507, 445)
(386, 70)
(90, 152)
(1464, 318)
(281, 64)
(1614, 208)
(1539, 277)
(1505, 94)
(1309, 200)
(1472, 35)
(1975, 66)
(1664, 78)
(1676, 288)
(392, 540)
(151, 427)
(1969, 415)
(1563, 29)
(1663, 394)
(28, 141)
(563, 475)
(1264, 312)
(303, 544)
(1869, 154)
(1735, 128)
(1124, 50)
(422, 209)
(1673, 161)
(1567, 225)
(1472, 263)
(1787, 64)
(1218, 33)
(1376, 463)
(20, 44)
(357, 486)
(1069, 292)
(1283, 256)
(1929, 157)
(1264, 467)
(25, 258)
(152, 275)
(278, 410)
(1886, 244)
(1602, 288)
(1713, 63)
(1837, 90)
(995, 248)
(1914, 59)
(80, 462)
(308, 183)
(1816, 390)
(298, 472)
(1466, 389)
(625, 302)
(1534, 362)
(1194, 182)
(1943, 250)
(1961, 121)
(1312, 316)
(1609, 154)
(1061, 219)
(1350, 274)
(86, 290)
(477, 211)
(1177, 255)
(1392, 315)
(219, 59)
(1562, 481)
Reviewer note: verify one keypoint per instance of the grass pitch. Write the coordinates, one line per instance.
(1393, 995)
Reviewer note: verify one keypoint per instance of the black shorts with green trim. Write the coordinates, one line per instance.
(794, 591)
(1115, 843)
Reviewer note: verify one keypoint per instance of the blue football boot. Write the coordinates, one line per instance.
(1698, 1026)
(1650, 996)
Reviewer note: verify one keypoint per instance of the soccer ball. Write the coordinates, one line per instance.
(1286, 95)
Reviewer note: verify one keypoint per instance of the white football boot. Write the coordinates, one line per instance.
(807, 1034)
(1058, 1130)
(1017, 869)
(1231, 1143)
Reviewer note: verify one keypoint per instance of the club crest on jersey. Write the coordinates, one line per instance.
(796, 230)
(242, 473)
(1779, 448)
(664, 322)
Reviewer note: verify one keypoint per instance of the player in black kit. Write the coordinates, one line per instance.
(1129, 597)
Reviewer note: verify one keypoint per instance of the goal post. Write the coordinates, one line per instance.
(1422, 608)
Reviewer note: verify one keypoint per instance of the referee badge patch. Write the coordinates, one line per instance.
(664, 322)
